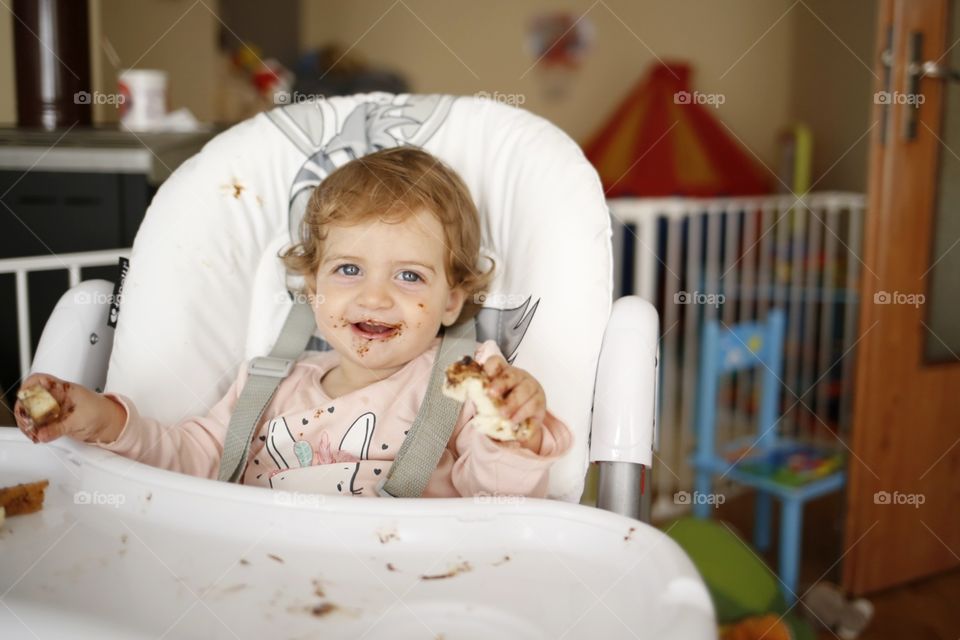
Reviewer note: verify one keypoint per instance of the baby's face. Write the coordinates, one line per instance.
(382, 292)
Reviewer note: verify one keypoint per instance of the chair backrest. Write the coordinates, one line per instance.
(725, 349)
(205, 289)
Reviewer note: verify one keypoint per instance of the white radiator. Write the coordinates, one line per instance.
(733, 259)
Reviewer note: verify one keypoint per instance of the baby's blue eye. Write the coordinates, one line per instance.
(416, 276)
(348, 269)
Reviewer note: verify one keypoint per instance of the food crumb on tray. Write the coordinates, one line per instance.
(21, 499)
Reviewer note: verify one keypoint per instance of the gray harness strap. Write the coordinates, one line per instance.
(265, 374)
(421, 449)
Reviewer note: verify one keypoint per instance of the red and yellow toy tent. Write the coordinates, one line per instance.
(665, 140)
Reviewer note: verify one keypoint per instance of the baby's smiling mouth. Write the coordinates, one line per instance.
(373, 330)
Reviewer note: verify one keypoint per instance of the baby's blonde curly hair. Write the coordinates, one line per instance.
(394, 184)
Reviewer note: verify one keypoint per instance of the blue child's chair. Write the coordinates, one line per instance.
(744, 346)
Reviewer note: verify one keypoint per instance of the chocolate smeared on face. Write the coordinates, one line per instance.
(369, 331)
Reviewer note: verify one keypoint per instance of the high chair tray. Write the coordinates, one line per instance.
(123, 550)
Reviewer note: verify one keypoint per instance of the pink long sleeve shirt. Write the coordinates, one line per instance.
(309, 442)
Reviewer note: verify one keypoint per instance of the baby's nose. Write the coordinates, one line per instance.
(375, 295)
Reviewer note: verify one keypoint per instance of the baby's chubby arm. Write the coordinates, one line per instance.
(84, 415)
(112, 421)
(485, 465)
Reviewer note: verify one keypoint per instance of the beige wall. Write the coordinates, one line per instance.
(179, 36)
(465, 47)
(832, 87)
(796, 69)
(8, 99)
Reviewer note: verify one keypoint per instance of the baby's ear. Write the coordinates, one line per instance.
(455, 300)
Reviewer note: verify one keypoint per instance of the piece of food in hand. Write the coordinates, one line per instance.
(22, 498)
(465, 380)
(41, 406)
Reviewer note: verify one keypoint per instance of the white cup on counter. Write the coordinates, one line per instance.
(144, 94)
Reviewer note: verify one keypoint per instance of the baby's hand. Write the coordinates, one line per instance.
(523, 397)
(84, 415)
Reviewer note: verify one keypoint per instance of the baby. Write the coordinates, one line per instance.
(390, 254)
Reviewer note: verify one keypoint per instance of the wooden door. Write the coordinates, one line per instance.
(903, 497)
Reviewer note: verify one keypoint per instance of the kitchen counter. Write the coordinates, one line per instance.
(99, 150)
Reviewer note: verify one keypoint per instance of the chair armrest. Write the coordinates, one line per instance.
(623, 429)
(76, 341)
(624, 405)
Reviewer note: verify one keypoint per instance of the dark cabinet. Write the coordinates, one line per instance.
(86, 189)
(44, 213)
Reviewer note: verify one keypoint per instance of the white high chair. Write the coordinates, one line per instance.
(126, 550)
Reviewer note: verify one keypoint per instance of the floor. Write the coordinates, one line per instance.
(925, 610)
